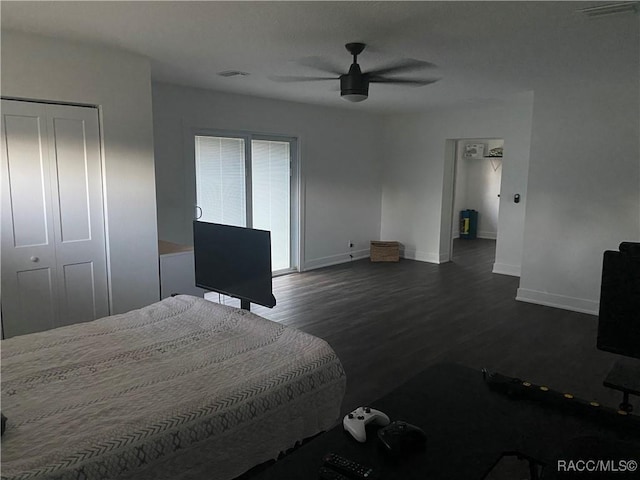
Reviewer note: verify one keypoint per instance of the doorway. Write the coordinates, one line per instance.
(477, 176)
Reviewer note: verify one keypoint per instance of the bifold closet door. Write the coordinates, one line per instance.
(54, 269)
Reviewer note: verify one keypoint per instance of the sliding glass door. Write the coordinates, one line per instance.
(251, 181)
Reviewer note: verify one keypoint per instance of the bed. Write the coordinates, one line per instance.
(181, 389)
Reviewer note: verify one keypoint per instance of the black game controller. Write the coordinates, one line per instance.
(401, 437)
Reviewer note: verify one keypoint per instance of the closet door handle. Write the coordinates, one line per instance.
(34, 259)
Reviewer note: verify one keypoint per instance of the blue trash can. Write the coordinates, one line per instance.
(468, 223)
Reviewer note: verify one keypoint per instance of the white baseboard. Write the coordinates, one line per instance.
(580, 305)
(488, 235)
(483, 235)
(412, 254)
(334, 259)
(505, 269)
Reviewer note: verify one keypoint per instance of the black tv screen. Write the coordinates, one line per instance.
(619, 316)
(234, 261)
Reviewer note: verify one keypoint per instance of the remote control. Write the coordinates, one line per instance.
(350, 468)
(328, 474)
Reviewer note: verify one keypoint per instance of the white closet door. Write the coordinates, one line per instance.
(53, 240)
(29, 294)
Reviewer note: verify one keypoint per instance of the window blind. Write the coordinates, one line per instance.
(270, 190)
(220, 180)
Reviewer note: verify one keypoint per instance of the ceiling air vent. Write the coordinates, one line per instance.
(610, 9)
(233, 73)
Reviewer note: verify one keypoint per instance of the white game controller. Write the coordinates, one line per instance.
(356, 421)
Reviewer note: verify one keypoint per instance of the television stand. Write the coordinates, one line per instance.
(625, 377)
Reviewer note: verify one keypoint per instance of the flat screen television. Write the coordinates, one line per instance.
(619, 316)
(234, 261)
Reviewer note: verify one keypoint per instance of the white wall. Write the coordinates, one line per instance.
(477, 187)
(42, 68)
(583, 191)
(585, 169)
(339, 152)
(418, 166)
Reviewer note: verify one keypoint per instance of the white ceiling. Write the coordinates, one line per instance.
(483, 50)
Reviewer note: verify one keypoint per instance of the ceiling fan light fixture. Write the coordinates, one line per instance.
(354, 97)
(354, 86)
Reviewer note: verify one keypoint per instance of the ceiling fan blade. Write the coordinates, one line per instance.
(320, 63)
(406, 65)
(293, 78)
(403, 81)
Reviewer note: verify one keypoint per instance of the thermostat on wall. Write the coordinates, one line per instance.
(473, 150)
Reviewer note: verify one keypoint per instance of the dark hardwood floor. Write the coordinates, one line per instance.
(388, 321)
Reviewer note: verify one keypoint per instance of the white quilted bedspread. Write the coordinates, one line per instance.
(181, 389)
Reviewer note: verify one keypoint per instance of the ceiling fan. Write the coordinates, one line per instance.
(354, 85)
